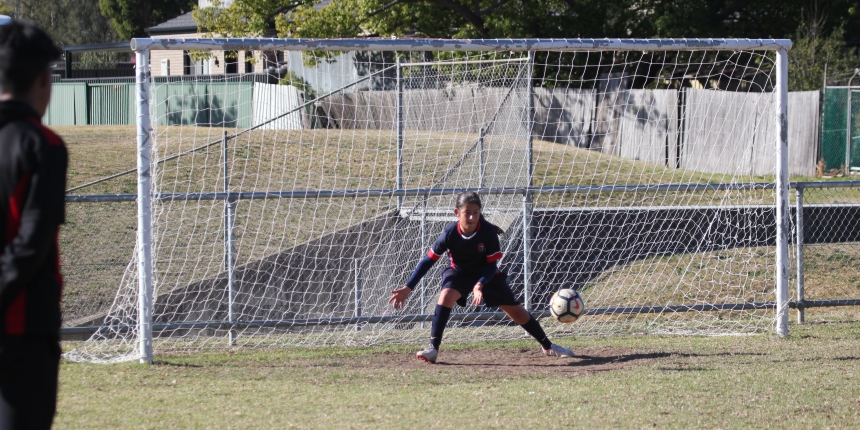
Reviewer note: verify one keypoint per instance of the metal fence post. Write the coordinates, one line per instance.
(531, 115)
(144, 207)
(847, 170)
(357, 298)
(229, 242)
(481, 157)
(798, 228)
(399, 107)
(528, 206)
(782, 212)
(422, 285)
(527, 250)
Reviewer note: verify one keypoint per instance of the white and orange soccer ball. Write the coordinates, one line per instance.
(566, 305)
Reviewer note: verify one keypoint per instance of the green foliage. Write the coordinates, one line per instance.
(558, 18)
(815, 53)
(818, 41)
(130, 18)
(68, 22)
(244, 18)
(72, 22)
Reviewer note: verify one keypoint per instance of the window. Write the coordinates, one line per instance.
(249, 62)
(187, 64)
(231, 62)
(190, 66)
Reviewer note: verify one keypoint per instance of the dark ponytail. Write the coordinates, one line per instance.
(467, 197)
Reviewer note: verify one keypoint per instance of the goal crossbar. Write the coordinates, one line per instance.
(379, 44)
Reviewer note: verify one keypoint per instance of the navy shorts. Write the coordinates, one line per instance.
(496, 292)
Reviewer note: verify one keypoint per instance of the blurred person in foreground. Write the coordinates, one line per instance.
(33, 163)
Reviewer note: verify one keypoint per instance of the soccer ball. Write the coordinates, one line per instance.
(566, 306)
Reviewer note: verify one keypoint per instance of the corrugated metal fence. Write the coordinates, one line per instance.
(218, 104)
(701, 130)
(718, 130)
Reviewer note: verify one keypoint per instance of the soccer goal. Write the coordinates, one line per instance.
(286, 186)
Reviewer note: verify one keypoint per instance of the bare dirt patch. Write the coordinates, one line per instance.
(520, 361)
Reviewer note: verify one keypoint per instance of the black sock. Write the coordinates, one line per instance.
(533, 328)
(440, 319)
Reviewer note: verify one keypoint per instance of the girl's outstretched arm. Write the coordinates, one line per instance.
(399, 296)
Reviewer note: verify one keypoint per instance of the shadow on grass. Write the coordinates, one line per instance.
(167, 363)
(683, 369)
(586, 360)
(578, 361)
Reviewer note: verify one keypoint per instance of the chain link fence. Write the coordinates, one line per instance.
(835, 132)
(830, 247)
(98, 240)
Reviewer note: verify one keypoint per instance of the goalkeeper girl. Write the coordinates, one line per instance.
(473, 249)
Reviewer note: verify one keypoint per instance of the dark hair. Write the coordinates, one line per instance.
(25, 53)
(467, 197)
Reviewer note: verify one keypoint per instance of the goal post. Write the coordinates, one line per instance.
(278, 206)
(144, 206)
(782, 213)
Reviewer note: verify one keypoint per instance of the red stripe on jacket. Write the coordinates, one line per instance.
(15, 314)
(16, 203)
(52, 138)
(494, 257)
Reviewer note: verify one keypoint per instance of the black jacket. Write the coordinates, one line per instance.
(33, 163)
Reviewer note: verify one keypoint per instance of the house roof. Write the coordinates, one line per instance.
(181, 24)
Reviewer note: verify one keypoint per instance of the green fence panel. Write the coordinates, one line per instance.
(181, 103)
(132, 105)
(216, 104)
(82, 111)
(109, 104)
(230, 104)
(68, 105)
(833, 128)
(855, 129)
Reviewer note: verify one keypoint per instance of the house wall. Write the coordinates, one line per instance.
(217, 66)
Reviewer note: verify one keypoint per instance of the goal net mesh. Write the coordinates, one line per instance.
(645, 168)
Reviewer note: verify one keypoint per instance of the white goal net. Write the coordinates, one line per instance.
(289, 199)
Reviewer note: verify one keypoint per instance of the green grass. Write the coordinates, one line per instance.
(804, 381)
(758, 381)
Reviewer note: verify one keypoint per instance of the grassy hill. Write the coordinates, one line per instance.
(98, 239)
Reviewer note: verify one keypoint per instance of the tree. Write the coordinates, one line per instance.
(245, 18)
(524, 18)
(72, 22)
(815, 54)
(130, 18)
(825, 42)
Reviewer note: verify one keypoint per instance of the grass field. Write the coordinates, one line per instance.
(714, 382)
(804, 381)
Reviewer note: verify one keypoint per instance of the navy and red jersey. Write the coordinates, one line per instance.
(33, 164)
(468, 254)
(474, 255)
